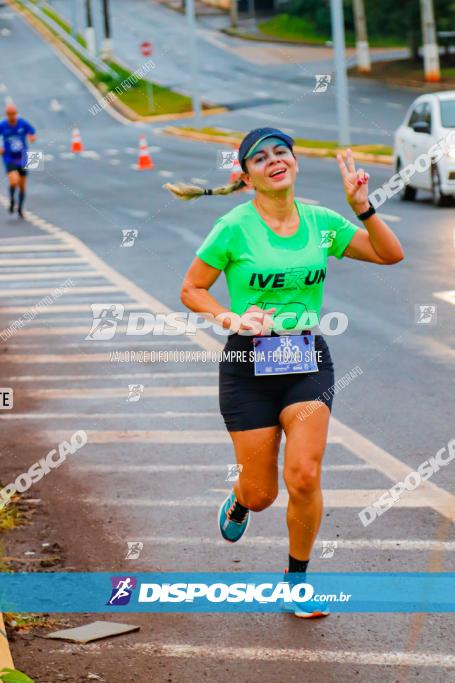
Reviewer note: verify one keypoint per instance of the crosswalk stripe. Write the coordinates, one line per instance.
(333, 498)
(150, 436)
(92, 344)
(48, 275)
(129, 375)
(448, 297)
(57, 246)
(68, 358)
(41, 261)
(154, 469)
(439, 499)
(66, 308)
(67, 416)
(85, 392)
(282, 541)
(412, 660)
(72, 291)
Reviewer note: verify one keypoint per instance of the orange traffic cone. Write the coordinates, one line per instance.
(76, 141)
(144, 160)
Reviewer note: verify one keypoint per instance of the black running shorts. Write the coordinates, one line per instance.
(12, 167)
(250, 402)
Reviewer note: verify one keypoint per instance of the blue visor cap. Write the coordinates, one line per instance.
(254, 137)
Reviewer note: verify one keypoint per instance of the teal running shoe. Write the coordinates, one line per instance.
(232, 525)
(309, 609)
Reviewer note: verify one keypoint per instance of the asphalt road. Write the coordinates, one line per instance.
(157, 467)
(261, 83)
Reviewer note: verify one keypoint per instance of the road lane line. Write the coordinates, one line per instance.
(341, 544)
(207, 436)
(107, 416)
(448, 297)
(66, 308)
(270, 654)
(73, 291)
(30, 248)
(359, 657)
(390, 217)
(40, 261)
(148, 375)
(85, 392)
(394, 469)
(115, 345)
(48, 275)
(333, 498)
(153, 469)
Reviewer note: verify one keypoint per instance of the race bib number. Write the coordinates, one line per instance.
(284, 355)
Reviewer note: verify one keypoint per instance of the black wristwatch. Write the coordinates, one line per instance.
(366, 214)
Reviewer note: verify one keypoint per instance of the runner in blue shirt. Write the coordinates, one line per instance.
(15, 132)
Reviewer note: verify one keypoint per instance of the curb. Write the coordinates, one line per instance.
(87, 73)
(6, 660)
(304, 151)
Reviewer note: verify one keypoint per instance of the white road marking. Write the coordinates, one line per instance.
(26, 237)
(365, 100)
(208, 436)
(33, 247)
(108, 416)
(65, 308)
(394, 105)
(48, 275)
(166, 174)
(154, 469)
(111, 152)
(305, 200)
(333, 498)
(342, 544)
(129, 375)
(96, 344)
(389, 217)
(436, 497)
(67, 155)
(270, 654)
(115, 392)
(40, 261)
(448, 297)
(73, 291)
(90, 154)
(199, 181)
(114, 162)
(55, 105)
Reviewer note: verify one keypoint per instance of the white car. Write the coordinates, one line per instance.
(429, 120)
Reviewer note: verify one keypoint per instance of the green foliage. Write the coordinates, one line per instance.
(385, 18)
(14, 676)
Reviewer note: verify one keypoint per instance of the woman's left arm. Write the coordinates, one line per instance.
(378, 243)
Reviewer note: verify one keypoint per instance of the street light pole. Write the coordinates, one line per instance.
(430, 44)
(106, 48)
(190, 15)
(341, 81)
(361, 38)
(90, 30)
(234, 13)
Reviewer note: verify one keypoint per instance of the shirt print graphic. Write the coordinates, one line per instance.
(288, 278)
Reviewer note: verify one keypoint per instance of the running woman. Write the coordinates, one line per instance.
(274, 251)
(16, 132)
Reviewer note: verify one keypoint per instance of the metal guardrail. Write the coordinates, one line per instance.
(68, 38)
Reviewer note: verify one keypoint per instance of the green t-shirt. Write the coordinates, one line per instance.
(268, 270)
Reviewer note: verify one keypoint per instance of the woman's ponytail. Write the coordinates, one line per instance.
(185, 192)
